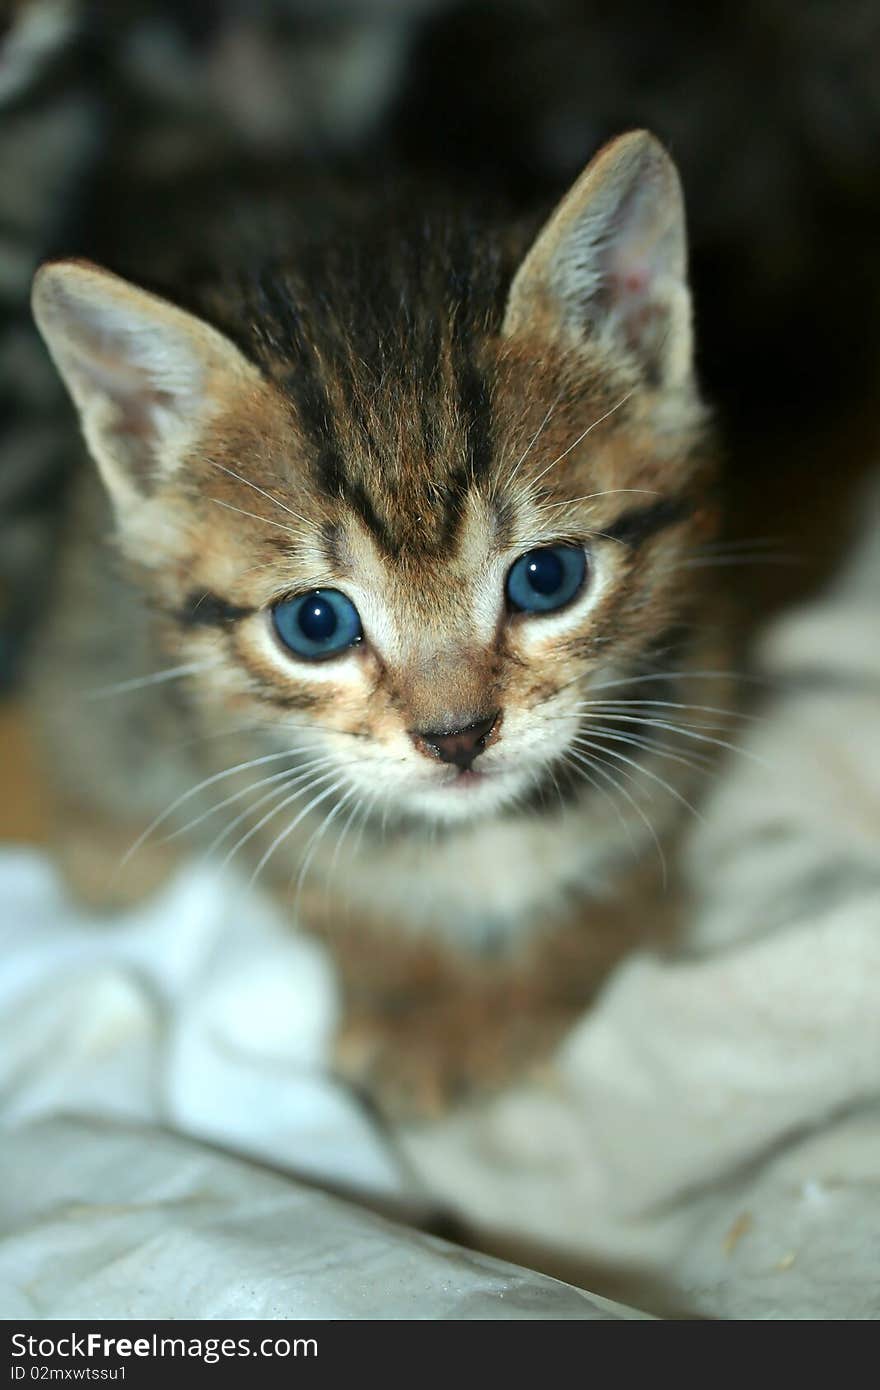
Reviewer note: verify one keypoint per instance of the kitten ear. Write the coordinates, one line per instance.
(144, 375)
(609, 267)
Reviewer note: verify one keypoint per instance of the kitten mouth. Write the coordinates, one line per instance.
(466, 778)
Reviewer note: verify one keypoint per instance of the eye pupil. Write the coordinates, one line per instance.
(545, 571)
(317, 620)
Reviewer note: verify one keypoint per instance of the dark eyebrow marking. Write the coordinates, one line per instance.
(331, 537)
(357, 497)
(209, 610)
(636, 525)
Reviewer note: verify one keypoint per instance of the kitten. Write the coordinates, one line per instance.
(97, 97)
(399, 605)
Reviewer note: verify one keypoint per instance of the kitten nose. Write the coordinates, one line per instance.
(459, 746)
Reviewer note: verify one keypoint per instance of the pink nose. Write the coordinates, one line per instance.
(458, 746)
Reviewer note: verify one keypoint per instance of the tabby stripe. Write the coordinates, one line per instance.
(209, 610)
(286, 333)
(636, 525)
(473, 394)
(360, 501)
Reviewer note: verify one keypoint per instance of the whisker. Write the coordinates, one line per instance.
(650, 717)
(699, 762)
(365, 806)
(536, 436)
(645, 771)
(594, 762)
(667, 704)
(355, 850)
(686, 731)
(359, 804)
(557, 788)
(568, 761)
(236, 796)
(256, 725)
(677, 675)
(314, 841)
(671, 676)
(171, 673)
(250, 810)
(311, 783)
(581, 437)
(298, 818)
(262, 492)
(194, 791)
(267, 521)
(591, 496)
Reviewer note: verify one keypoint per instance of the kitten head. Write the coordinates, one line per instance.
(411, 508)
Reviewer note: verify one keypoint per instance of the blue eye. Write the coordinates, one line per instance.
(322, 623)
(542, 580)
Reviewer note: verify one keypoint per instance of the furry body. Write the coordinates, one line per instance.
(396, 400)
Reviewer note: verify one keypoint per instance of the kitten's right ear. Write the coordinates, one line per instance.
(145, 376)
(608, 270)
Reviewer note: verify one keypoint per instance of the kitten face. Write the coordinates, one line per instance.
(339, 535)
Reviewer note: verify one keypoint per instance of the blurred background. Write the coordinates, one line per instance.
(771, 110)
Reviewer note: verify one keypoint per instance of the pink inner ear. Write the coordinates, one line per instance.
(634, 281)
(128, 388)
(628, 289)
(640, 317)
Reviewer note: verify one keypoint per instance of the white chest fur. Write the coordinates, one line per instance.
(482, 882)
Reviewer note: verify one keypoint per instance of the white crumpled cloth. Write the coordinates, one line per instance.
(120, 1221)
(137, 1056)
(712, 1140)
(708, 1142)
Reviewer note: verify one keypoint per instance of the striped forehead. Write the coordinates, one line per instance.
(397, 432)
(422, 597)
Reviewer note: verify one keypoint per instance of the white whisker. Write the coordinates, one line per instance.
(311, 783)
(667, 704)
(649, 745)
(650, 717)
(171, 673)
(194, 791)
(581, 437)
(252, 808)
(314, 841)
(640, 768)
(298, 818)
(359, 804)
(533, 441)
(262, 492)
(686, 731)
(678, 676)
(594, 762)
(236, 796)
(591, 496)
(267, 521)
(580, 770)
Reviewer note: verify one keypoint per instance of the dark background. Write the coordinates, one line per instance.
(771, 110)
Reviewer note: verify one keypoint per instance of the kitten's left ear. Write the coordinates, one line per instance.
(145, 376)
(609, 268)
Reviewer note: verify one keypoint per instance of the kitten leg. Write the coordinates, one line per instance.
(89, 852)
(418, 1052)
(426, 1027)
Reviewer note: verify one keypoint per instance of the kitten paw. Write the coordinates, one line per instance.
(91, 862)
(416, 1064)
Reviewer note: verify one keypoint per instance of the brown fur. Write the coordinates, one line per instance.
(404, 450)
